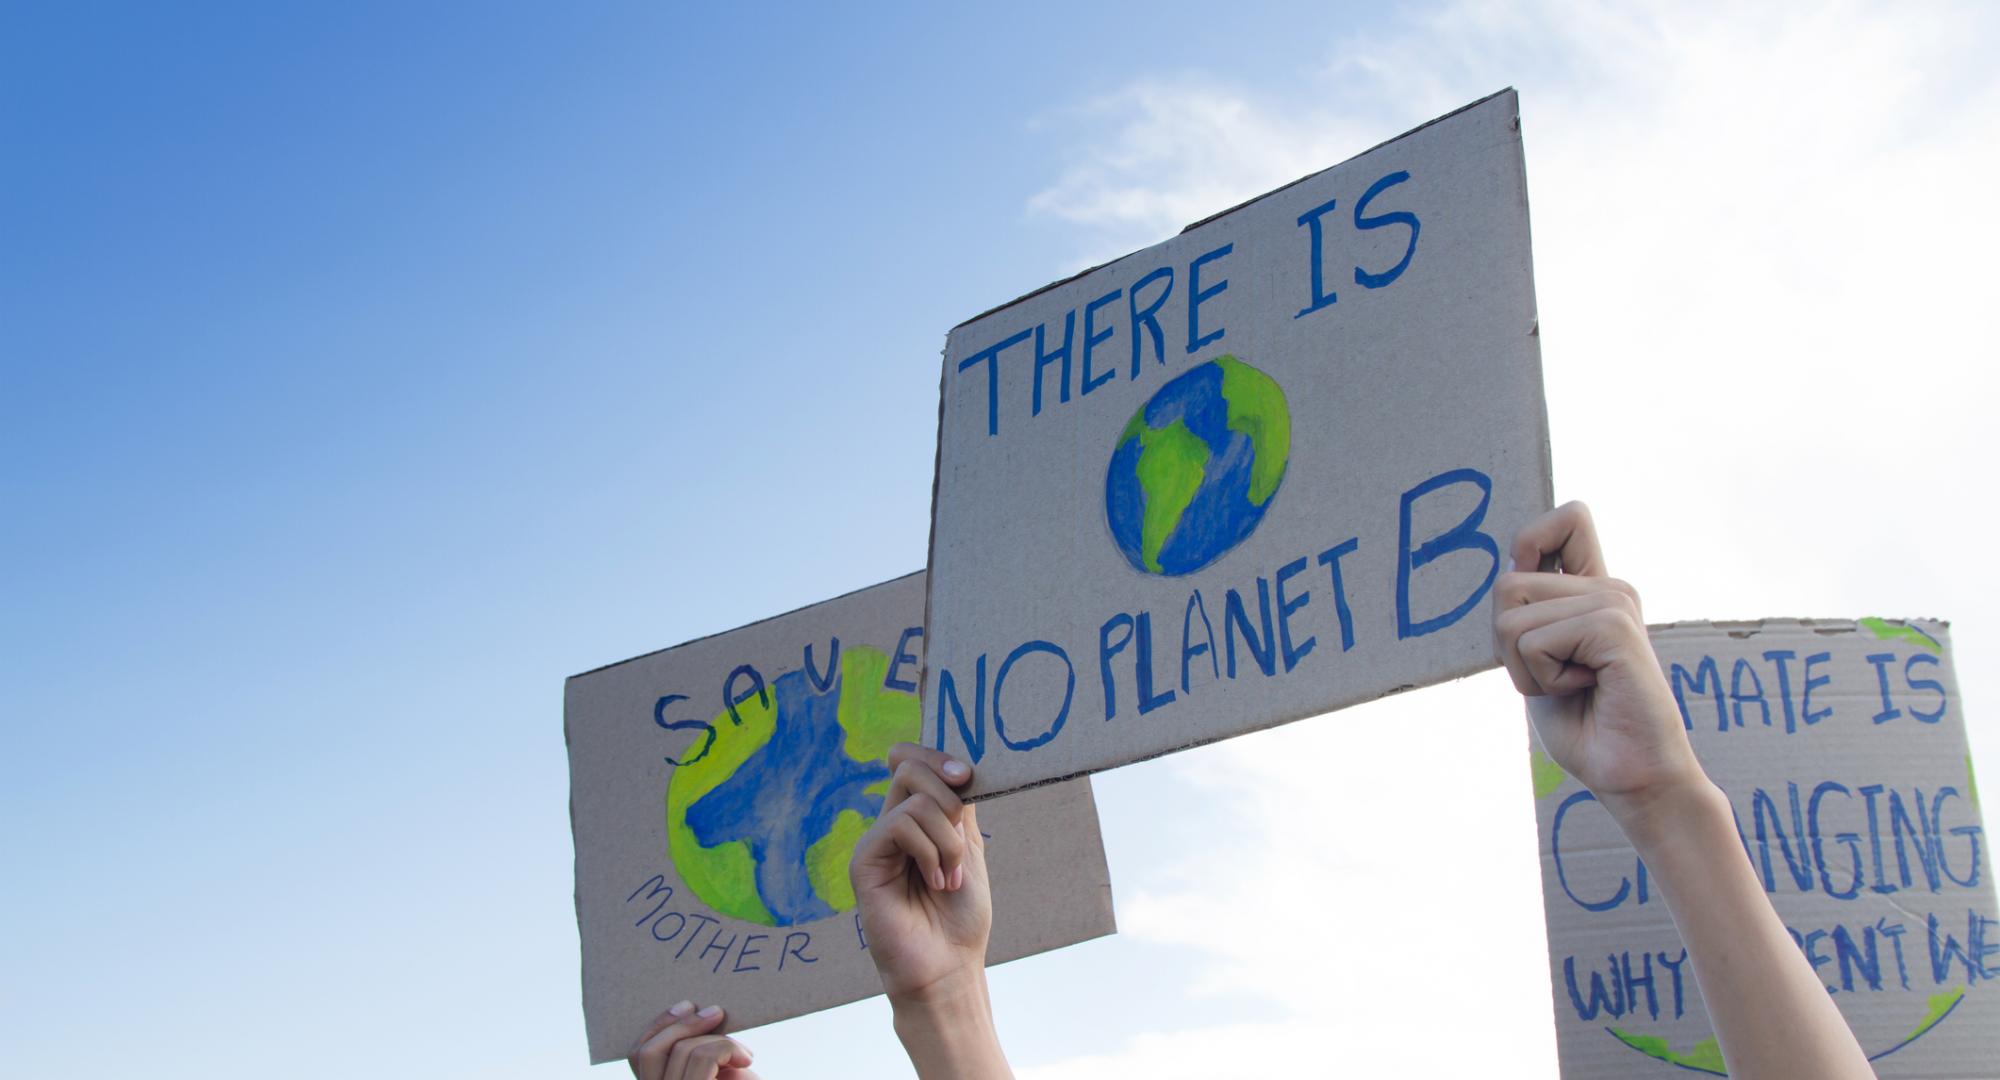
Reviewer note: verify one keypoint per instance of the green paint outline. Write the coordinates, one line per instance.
(1885, 630)
(1704, 1056)
(1940, 1004)
(1258, 410)
(1548, 776)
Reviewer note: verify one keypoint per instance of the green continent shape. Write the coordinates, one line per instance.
(874, 716)
(1133, 428)
(827, 859)
(724, 876)
(1706, 1056)
(1257, 409)
(1172, 460)
(1548, 775)
(1885, 630)
(1971, 783)
(1939, 1005)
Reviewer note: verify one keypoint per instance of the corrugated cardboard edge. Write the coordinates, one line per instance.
(1103, 865)
(930, 544)
(1743, 628)
(1534, 329)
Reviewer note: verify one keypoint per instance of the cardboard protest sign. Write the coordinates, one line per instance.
(716, 793)
(1257, 472)
(1842, 748)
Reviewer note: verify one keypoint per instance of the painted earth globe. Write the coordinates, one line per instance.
(762, 825)
(1195, 470)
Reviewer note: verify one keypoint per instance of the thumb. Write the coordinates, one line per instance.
(969, 821)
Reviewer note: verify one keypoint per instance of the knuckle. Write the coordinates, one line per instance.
(889, 827)
(691, 1049)
(1628, 589)
(1618, 620)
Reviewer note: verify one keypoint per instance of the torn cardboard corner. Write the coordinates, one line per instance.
(716, 792)
(1262, 470)
(1841, 746)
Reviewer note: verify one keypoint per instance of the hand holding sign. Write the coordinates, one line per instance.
(920, 879)
(682, 1045)
(1575, 643)
(1576, 646)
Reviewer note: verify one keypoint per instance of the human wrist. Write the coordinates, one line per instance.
(1660, 815)
(947, 1028)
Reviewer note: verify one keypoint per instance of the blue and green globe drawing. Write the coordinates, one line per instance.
(761, 827)
(1197, 466)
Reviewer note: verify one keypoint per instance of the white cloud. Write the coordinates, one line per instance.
(1762, 244)
(1359, 882)
(1161, 153)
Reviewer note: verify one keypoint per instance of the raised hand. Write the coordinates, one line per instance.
(681, 1044)
(1574, 641)
(919, 876)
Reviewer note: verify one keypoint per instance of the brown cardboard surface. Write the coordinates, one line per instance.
(820, 693)
(1842, 749)
(1327, 504)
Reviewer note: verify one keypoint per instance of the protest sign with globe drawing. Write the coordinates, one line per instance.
(1260, 471)
(717, 790)
(1841, 746)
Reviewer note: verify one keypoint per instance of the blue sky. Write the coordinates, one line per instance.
(370, 369)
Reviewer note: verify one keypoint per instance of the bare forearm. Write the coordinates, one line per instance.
(949, 1034)
(1772, 1016)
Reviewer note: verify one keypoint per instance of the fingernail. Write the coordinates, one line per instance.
(956, 770)
(937, 879)
(958, 879)
(710, 1012)
(681, 1010)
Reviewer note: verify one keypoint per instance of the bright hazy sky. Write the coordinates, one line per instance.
(370, 368)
